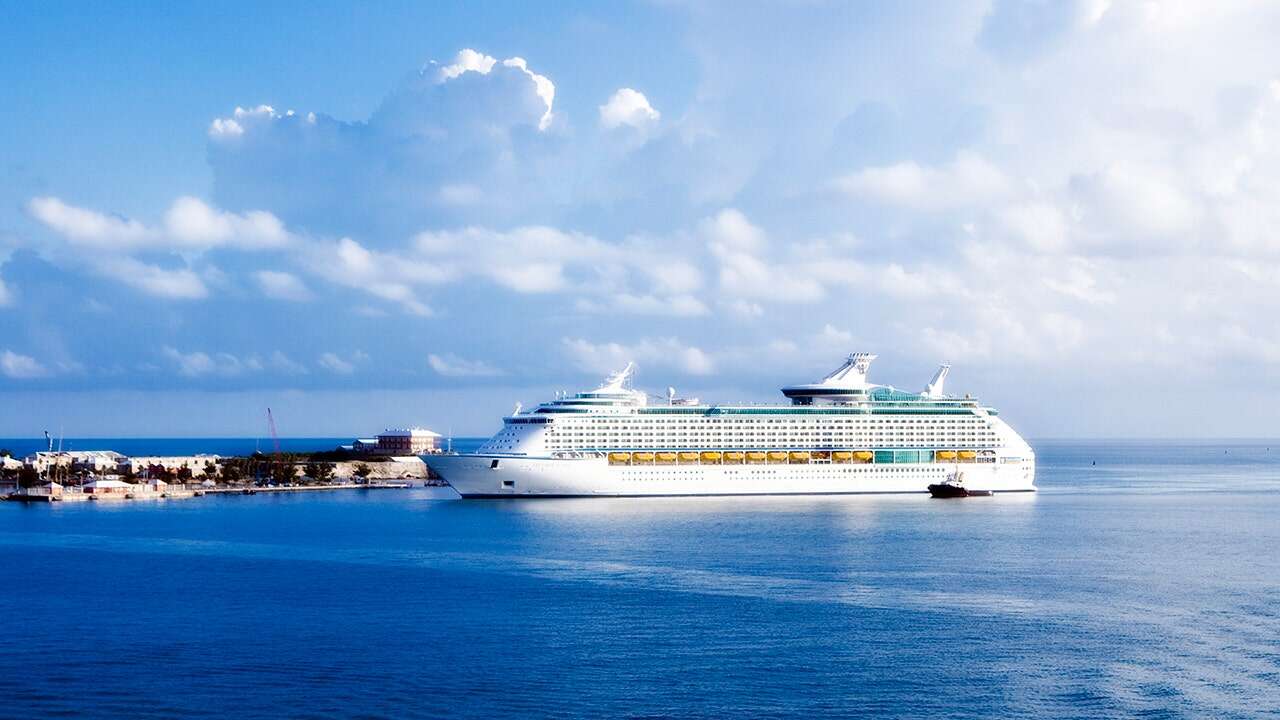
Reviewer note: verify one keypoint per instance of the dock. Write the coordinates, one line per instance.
(64, 495)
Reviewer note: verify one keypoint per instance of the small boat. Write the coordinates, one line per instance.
(953, 487)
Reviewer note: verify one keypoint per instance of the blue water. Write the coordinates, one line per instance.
(21, 447)
(1147, 584)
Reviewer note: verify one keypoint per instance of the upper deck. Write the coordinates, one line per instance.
(845, 391)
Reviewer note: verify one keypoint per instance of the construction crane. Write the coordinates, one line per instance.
(275, 439)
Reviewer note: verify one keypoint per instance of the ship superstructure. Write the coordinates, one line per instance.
(843, 434)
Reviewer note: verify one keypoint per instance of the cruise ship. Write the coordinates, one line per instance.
(842, 435)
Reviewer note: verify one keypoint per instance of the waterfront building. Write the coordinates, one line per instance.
(108, 487)
(140, 465)
(94, 462)
(407, 441)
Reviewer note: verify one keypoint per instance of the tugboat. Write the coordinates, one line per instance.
(953, 487)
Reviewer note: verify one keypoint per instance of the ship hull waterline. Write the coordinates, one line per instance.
(476, 476)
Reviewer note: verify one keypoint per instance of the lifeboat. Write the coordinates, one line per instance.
(967, 455)
(945, 455)
(688, 457)
(755, 457)
(664, 458)
(642, 457)
(777, 456)
(711, 456)
(619, 458)
(798, 456)
(863, 456)
(733, 458)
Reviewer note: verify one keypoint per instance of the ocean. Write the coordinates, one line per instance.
(1142, 581)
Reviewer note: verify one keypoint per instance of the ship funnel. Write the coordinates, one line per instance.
(618, 380)
(853, 373)
(934, 388)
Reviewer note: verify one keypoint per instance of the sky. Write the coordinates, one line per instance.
(389, 214)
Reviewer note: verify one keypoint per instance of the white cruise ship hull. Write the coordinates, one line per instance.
(498, 476)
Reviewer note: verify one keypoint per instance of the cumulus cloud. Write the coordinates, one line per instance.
(450, 365)
(471, 139)
(745, 270)
(198, 363)
(21, 367)
(388, 276)
(6, 295)
(468, 60)
(282, 286)
(670, 353)
(86, 226)
(628, 107)
(967, 181)
(170, 283)
(333, 363)
(343, 365)
(189, 224)
(192, 223)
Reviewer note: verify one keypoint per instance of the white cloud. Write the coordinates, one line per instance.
(460, 194)
(234, 126)
(636, 276)
(467, 60)
(189, 224)
(967, 181)
(542, 85)
(280, 362)
(628, 107)
(282, 286)
(192, 223)
(21, 367)
(451, 365)
(171, 283)
(86, 226)
(6, 295)
(1040, 225)
(384, 275)
(831, 335)
(745, 270)
(199, 363)
(331, 362)
(603, 358)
